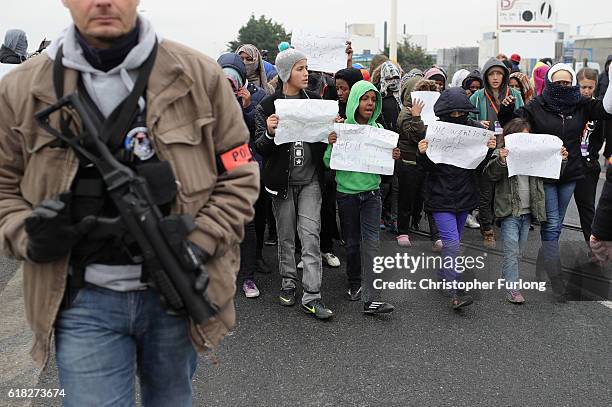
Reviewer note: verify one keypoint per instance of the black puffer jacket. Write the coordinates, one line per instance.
(277, 158)
(449, 188)
(568, 128)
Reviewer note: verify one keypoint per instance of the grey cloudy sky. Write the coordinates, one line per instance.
(209, 25)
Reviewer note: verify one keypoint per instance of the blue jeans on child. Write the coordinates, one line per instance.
(514, 231)
(450, 226)
(106, 337)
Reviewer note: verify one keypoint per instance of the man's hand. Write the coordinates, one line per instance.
(246, 97)
(423, 144)
(272, 123)
(601, 250)
(51, 233)
(417, 107)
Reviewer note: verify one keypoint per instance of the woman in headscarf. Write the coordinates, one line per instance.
(539, 77)
(256, 72)
(15, 47)
(521, 82)
(563, 112)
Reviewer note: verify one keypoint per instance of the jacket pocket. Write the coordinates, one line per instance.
(190, 150)
(42, 177)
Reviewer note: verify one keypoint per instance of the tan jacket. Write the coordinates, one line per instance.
(192, 115)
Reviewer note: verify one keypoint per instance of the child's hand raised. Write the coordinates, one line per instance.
(417, 107)
(492, 143)
(423, 144)
(396, 153)
(564, 153)
(332, 138)
(503, 153)
(339, 119)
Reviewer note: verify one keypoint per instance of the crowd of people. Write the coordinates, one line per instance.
(304, 194)
(194, 167)
(300, 194)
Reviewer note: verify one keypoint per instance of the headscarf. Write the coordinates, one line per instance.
(256, 72)
(539, 78)
(431, 73)
(458, 78)
(390, 81)
(561, 99)
(525, 84)
(17, 41)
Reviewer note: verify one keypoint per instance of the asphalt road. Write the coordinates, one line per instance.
(492, 354)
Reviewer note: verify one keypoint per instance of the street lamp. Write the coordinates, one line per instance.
(393, 36)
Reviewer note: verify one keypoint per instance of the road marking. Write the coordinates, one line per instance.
(16, 366)
(607, 304)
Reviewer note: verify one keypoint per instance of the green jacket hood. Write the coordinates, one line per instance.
(357, 91)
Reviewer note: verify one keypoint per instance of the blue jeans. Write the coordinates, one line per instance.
(515, 231)
(450, 226)
(106, 337)
(558, 197)
(360, 220)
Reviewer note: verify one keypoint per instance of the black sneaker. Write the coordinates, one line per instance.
(262, 267)
(318, 309)
(460, 301)
(374, 308)
(287, 297)
(354, 294)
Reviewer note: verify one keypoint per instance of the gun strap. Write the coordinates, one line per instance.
(116, 126)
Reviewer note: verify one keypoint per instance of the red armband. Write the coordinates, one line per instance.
(234, 158)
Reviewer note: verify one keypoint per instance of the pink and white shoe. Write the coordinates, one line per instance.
(515, 297)
(403, 241)
(250, 289)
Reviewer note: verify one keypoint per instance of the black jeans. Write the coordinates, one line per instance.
(584, 195)
(411, 179)
(360, 219)
(248, 252)
(485, 209)
(329, 228)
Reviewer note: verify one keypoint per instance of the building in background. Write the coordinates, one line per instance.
(454, 59)
(364, 41)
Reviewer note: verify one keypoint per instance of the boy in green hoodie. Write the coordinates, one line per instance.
(360, 205)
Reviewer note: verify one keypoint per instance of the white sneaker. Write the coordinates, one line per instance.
(331, 259)
(471, 222)
(300, 265)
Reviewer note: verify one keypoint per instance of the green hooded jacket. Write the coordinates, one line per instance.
(350, 182)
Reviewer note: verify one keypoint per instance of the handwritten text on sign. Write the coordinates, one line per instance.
(326, 52)
(363, 148)
(307, 120)
(454, 144)
(537, 155)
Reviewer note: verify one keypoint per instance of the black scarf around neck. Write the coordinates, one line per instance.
(107, 59)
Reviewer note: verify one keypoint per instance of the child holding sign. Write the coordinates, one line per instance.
(452, 192)
(517, 200)
(360, 204)
(292, 175)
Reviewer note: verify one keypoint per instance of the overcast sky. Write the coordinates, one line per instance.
(209, 25)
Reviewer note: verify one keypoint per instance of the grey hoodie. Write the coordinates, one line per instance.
(107, 89)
